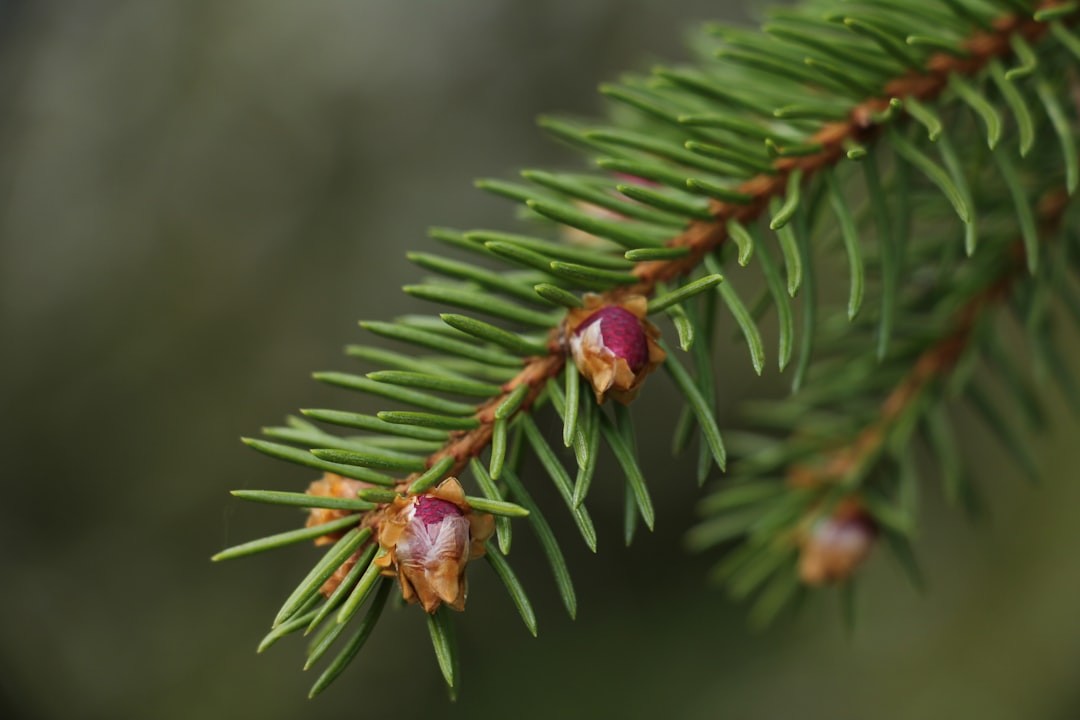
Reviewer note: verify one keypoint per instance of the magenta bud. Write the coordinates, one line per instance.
(618, 331)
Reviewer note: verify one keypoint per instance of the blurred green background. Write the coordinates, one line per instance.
(199, 199)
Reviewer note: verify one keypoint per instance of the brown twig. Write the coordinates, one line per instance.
(702, 237)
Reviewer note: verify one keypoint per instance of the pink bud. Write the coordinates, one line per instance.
(428, 540)
(613, 345)
(436, 531)
(614, 330)
(835, 547)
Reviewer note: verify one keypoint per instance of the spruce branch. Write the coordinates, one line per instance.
(923, 83)
(831, 481)
(932, 365)
(749, 148)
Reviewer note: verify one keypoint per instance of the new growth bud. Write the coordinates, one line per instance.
(428, 540)
(834, 547)
(613, 346)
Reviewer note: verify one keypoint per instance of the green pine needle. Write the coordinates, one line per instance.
(304, 500)
(652, 254)
(319, 574)
(1025, 54)
(548, 250)
(849, 235)
(719, 192)
(683, 204)
(471, 388)
(701, 408)
(956, 172)
(1063, 128)
(926, 116)
(356, 642)
(744, 240)
(634, 478)
(888, 42)
(483, 331)
(684, 327)
(573, 404)
(595, 276)
(432, 476)
(370, 460)
(512, 402)
(1056, 11)
(1025, 216)
(982, 107)
(742, 317)
(303, 457)
(934, 172)
(394, 392)
(465, 271)
(440, 343)
(626, 234)
(557, 295)
(683, 293)
(373, 424)
(497, 507)
(783, 306)
(483, 303)
(548, 542)
(561, 479)
(498, 447)
(517, 593)
(441, 627)
(1025, 125)
(296, 623)
(286, 538)
(428, 420)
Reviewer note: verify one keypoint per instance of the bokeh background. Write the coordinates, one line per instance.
(198, 199)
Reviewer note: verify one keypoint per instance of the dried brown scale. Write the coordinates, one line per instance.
(334, 486)
(705, 236)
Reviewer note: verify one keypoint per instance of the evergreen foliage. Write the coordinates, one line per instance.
(923, 150)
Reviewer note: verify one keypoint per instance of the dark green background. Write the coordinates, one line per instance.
(198, 199)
